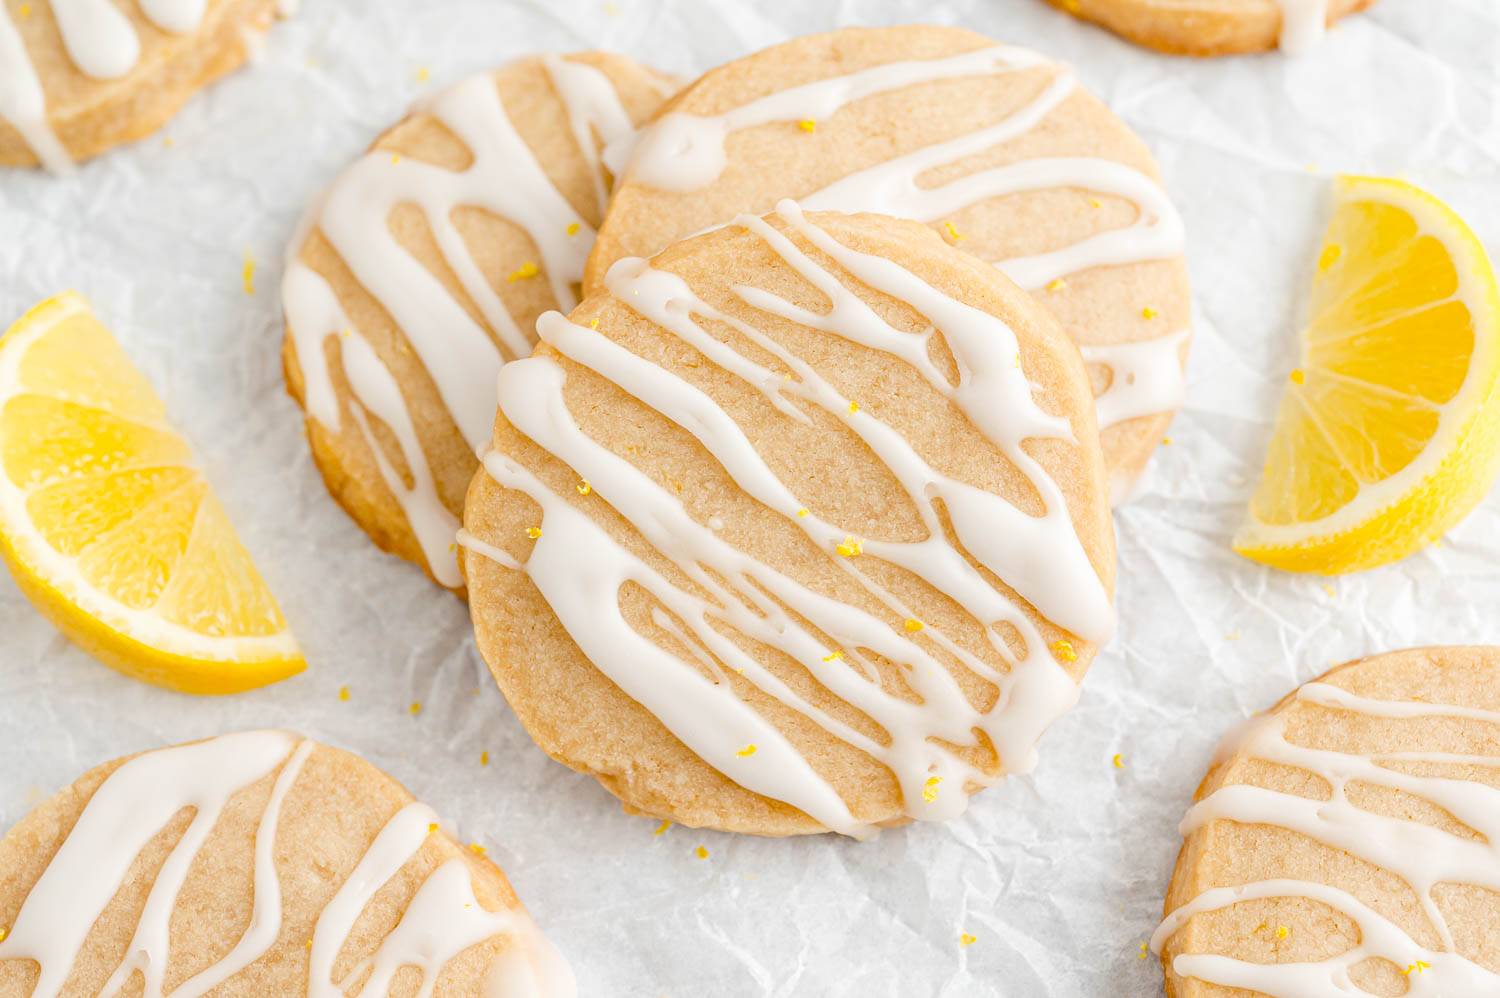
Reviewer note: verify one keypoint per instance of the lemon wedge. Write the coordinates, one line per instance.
(109, 526)
(1389, 431)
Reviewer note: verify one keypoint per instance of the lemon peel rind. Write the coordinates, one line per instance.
(137, 643)
(1458, 464)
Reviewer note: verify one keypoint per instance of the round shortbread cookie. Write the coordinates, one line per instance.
(997, 148)
(1216, 27)
(1349, 840)
(426, 264)
(801, 526)
(78, 77)
(256, 864)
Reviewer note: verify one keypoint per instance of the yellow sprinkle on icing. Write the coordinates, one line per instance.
(1065, 651)
(853, 407)
(701, 852)
(964, 939)
(807, 125)
(423, 74)
(836, 655)
(533, 532)
(746, 752)
(802, 511)
(343, 693)
(573, 228)
(850, 547)
(484, 758)
(1149, 313)
(1330, 256)
(593, 323)
(1118, 760)
(476, 848)
(583, 487)
(661, 829)
(247, 274)
(1297, 377)
(913, 624)
(930, 790)
(415, 708)
(953, 232)
(1282, 932)
(523, 272)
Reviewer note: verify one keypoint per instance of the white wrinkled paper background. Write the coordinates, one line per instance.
(1059, 875)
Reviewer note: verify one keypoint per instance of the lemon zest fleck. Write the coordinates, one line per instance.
(593, 323)
(247, 274)
(1065, 651)
(953, 232)
(583, 487)
(965, 939)
(930, 789)
(344, 693)
(524, 271)
(432, 826)
(1149, 313)
(1297, 377)
(1118, 760)
(661, 829)
(423, 74)
(747, 751)
(533, 532)
(1057, 284)
(701, 852)
(808, 124)
(837, 655)
(850, 547)
(1143, 951)
(802, 511)
(913, 625)
(476, 848)
(484, 758)
(853, 407)
(415, 708)
(573, 228)
(1282, 932)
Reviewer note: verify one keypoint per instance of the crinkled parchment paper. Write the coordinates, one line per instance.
(1059, 875)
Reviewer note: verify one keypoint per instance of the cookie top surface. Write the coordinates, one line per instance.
(801, 526)
(426, 264)
(1349, 834)
(73, 71)
(257, 863)
(998, 148)
(1216, 27)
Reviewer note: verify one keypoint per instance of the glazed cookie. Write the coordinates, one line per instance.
(997, 148)
(1216, 27)
(78, 77)
(256, 864)
(426, 264)
(1348, 840)
(800, 526)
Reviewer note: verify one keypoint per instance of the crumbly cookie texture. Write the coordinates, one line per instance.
(997, 148)
(426, 264)
(138, 73)
(1215, 27)
(733, 549)
(256, 863)
(1348, 834)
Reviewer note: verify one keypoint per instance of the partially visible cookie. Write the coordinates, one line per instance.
(425, 265)
(999, 149)
(1216, 27)
(78, 77)
(1348, 840)
(800, 526)
(256, 864)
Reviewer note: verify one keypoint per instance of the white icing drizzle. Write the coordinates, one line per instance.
(594, 113)
(684, 152)
(458, 352)
(139, 798)
(100, 41)
(1303, 24)
(1420, 854)
(1145, 377)
(1040, 557)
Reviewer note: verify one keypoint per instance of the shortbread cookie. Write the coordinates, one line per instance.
(1216, 27)
(78, 77)
(425, 266)
(1348, 841)
(803, 525)
(256, 864)
(997, 148)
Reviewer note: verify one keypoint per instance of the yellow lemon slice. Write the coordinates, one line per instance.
(108, 525)
(1388, 433)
